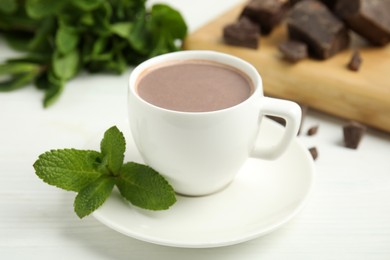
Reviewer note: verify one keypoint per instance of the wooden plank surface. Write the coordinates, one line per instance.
(327, 85)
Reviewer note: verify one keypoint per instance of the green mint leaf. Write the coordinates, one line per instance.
(99, 45)
(16, 82)
(113, 146)
(87, 5)
(93, 195)
(69, 169)
(8, 6)
(66, 66)
(164, 16)
(166, 25)
(52, 86)
(18, 67)
(66, 39)
(139, 37)
(122, 29)
(20, 74)
(42, 8)
(144, 187)
(42, 40)
(53, 89)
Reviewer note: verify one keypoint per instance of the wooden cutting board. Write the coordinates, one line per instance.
(327, 85)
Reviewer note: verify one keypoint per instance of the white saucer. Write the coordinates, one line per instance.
(264, 196)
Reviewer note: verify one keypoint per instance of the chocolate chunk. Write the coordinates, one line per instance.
(266, 13)
(242, 33)
(353, 133)
(329, 3)
(356, 60)
(293, 51)
(369, 18)
(312, 130)
(313, 23)
(314, 153)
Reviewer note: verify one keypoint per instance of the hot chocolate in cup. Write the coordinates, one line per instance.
(195, 118)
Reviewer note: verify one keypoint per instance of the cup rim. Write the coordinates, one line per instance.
(213, 56)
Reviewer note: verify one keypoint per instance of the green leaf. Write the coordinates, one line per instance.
(20, 74)
(39, 59)
(87, 19)
(43, 36)
(18, 22)
(53, 89)
(93, 195)
(166, 26)
(41, 82)
(66, 66)
(41, 8)
(8, 6)
(113, 146)
(66, 39)
(18, 67)
(122, 29)
(163, 16)
(102, 17)
(99, 46)
(87, 5)
(144, 187)
(18, 81)
(68, 169)
(140, 37)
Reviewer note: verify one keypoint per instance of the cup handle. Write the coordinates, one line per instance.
(291, 112)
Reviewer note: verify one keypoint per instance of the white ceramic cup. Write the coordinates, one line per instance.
(199, 153)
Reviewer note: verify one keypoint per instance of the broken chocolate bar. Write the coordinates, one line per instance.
(242, 33)
(354, 63)
(353, 133)
(293, 50)
(266, 13)
(313, 23)
(314, 153)
(368, 18)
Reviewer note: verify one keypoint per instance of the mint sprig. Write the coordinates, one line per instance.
(62, 38)
(94, 174)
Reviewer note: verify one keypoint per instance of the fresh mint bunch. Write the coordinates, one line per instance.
(93, 176)
(63, 37)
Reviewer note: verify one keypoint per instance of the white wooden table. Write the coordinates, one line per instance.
(348, 215)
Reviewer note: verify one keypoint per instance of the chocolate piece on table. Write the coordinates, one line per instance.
(368, 18)
(312, 130)
(311, 22)
(355, 62)
(266, 13)
(293, 50)
(329, 3)
(353, 133)
(314, 153)
(242, 33)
